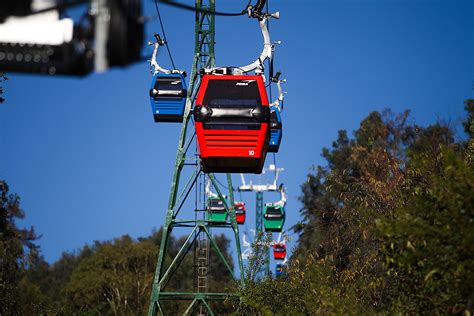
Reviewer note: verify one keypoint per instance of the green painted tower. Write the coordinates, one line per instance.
(196, 219)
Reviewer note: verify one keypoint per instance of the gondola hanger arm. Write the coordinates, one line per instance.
(279, 237)
(246, 242)
(257, 65)
(155, 68)
(278, 103)
(209, 193)
(282, 201)
(283, 237)
(268, 47)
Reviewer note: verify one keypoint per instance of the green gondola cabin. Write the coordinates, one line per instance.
(216, 210)
(274, 217)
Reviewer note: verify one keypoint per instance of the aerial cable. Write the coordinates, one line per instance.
(274, 162)
(270, 75)
(59, 7)
(247, 230)
(172, 3)
(207, 11)
(221, 184)
(259, 6)
(164, 34)
(154, 66)
(258, 64)
(270, 61)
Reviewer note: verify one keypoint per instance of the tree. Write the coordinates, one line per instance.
(112, 278)
(115, 280)
(469, 129)
(429, 242)
(16, 249)
(3, 78)
(386, 227)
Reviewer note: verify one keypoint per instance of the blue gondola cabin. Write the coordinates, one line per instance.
(168, 97)
(280, 270)
(276, 130)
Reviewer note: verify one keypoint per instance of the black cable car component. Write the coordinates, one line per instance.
(125, 38)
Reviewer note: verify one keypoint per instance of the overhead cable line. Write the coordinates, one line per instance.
(59, 7)
(222, 184)
(164, 34)
(207, 11)
(73, 3)
(270, 62)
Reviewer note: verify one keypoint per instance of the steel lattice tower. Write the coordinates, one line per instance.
(200, 227)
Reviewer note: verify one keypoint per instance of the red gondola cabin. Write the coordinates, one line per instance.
(232, 123)
(240, 212)
(279, 251)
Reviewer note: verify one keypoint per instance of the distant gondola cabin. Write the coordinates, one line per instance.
(240, 212)
(276, 130)
(216, 210)
(274, 217)
(280, 270)
(168, 97)
(232, 118)
(279, 251)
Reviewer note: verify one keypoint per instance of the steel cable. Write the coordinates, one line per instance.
(164, 34)
(192, 8)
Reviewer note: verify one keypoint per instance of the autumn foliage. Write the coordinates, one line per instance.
(387, 226)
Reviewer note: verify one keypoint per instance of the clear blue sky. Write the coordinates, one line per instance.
(90, 163)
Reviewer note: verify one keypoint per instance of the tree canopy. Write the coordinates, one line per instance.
(386, 226)
(107, 278)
